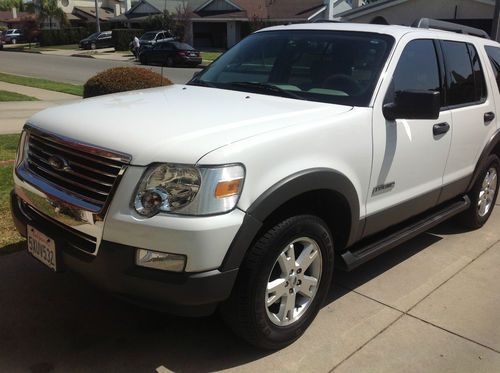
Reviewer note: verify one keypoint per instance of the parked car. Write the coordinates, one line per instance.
(150, 38)
(13, 36)
(170, 53)
(97, 40)
(303, 146)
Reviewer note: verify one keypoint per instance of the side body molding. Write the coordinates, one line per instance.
(282, 192)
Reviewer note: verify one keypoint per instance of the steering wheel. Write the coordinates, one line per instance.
(344, 83)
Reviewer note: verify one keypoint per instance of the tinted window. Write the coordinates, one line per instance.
(328, 66)
(465, 85)
(183, 46)
(494, 55)
(417, 69)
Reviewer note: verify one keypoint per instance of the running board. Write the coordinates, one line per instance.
(359, 255)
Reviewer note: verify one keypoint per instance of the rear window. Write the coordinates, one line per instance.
(466, 83)
(494, 56)
(148, 36)
(183, 46)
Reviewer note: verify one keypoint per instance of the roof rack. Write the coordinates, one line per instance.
(449, 26)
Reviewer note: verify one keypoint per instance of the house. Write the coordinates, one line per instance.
(475, 13)
(222, 23)
(80, 12)
(11, 18)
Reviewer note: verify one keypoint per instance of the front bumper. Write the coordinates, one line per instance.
(113, 269)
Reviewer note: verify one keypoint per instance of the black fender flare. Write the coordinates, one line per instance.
(488, 149)
(283, 191)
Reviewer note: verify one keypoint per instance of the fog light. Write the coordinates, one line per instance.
(159, 260)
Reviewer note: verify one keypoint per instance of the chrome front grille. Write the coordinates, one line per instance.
(83, 171)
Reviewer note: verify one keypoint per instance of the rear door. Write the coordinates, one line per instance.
(469, 98)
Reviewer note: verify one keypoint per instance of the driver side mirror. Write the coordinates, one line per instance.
(413, 104)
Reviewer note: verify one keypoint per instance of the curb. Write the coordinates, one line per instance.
(19, 51)
(81, 55)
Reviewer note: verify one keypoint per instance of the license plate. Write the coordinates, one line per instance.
(42, 247)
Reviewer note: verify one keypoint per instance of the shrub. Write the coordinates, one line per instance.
(121, 79)
(123, 37)
(70, 35)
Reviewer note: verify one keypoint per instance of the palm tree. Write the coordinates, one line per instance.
(48, 10)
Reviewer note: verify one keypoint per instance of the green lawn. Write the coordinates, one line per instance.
(43, 83)
(8, 146)
(209, 57)
(10, 240)
(12, 96)
(65, 47)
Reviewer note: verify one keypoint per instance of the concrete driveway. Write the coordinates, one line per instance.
(431, 305)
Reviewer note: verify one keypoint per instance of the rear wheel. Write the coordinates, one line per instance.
(483, 195)
(144, 60)
(93, 46)
(14, 41)
(282, 283)
(169, 62)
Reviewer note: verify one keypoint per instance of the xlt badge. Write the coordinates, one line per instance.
(383, 188)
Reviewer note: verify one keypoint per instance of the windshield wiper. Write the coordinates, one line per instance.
(202, 83)
(266, 88)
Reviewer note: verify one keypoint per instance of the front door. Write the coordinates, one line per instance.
(409, 158)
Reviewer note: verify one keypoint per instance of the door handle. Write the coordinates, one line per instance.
(489, 116)
(440, 128)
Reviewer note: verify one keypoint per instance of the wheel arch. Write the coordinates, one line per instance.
(491, 147)
(324, 192)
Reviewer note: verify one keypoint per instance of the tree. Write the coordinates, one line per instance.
(9, 4)
(183, 22)
(31, 28)
(48, 10)
(163, 21)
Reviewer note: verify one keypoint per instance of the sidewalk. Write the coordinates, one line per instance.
(14, 114)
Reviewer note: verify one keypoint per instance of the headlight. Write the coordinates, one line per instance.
(21, 149)
(189, 190)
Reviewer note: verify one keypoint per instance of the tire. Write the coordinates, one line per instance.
(144, 60)
(169, 62)
(14, 41)
(482, 195)
(93, 46)
(268, 321)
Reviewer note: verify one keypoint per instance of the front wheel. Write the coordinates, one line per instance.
(483, 195)
(282, 283)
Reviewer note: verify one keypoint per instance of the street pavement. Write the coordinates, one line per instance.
(76, 70)
(430, 305)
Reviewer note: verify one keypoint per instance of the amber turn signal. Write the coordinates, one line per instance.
(228, 188)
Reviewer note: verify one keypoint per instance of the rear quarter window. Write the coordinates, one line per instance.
(494, 56)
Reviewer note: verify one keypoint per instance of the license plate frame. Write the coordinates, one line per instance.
(42, 247)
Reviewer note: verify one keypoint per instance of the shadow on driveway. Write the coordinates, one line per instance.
(58, 321)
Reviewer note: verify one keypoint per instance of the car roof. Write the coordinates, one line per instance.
(394, 30)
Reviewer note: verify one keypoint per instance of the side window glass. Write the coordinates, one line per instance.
(417, 69)
(494, 55)
(479, 82)
(461, 86)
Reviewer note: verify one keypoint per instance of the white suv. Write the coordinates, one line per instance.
(303, 146)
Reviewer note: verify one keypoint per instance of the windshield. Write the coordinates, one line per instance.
(326, 66)
(148, 36)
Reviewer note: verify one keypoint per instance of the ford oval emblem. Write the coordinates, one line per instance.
(58, 163)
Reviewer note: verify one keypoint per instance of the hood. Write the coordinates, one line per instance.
(178, 124)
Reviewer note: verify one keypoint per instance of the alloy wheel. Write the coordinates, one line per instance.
(487, 192)
(293, 281)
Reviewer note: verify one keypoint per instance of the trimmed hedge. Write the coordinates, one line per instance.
(70, 35)
(121, 79)
(123, 36)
